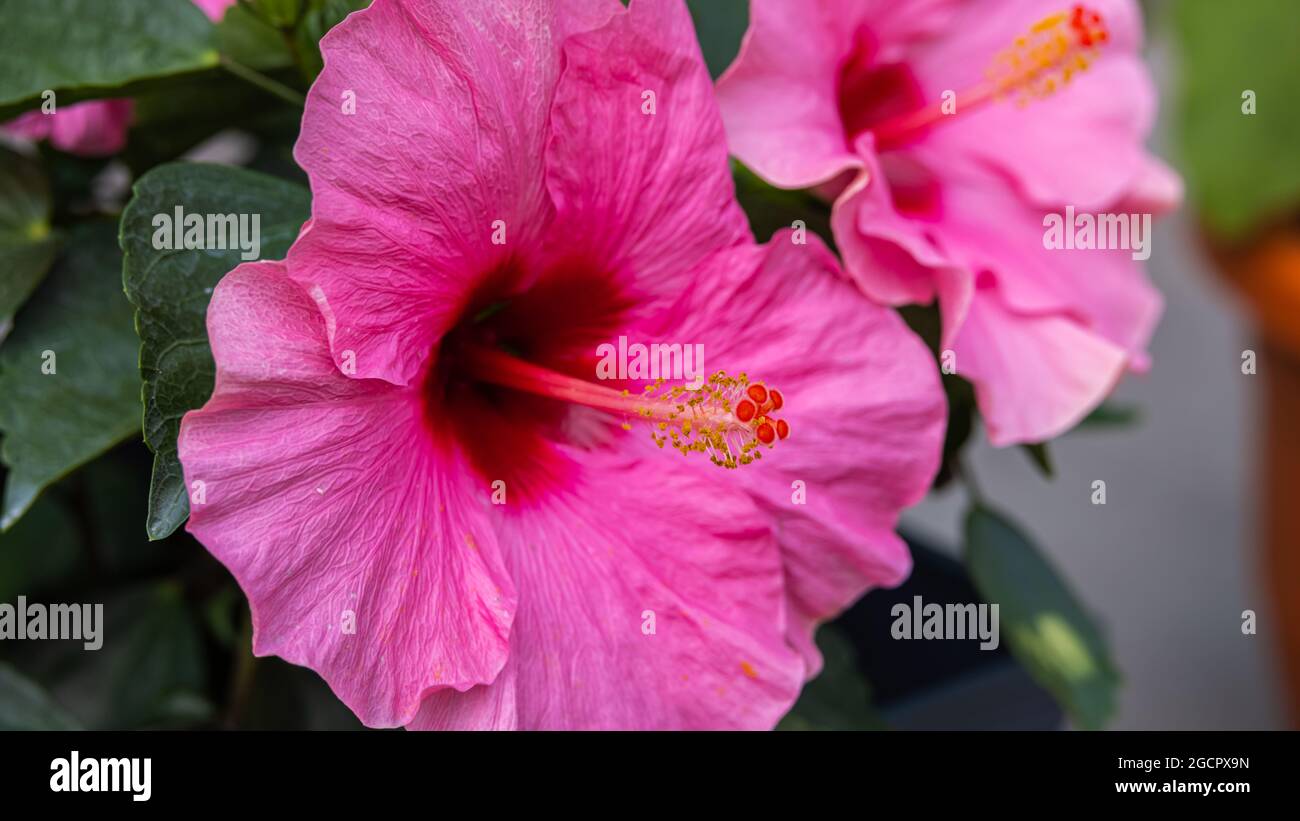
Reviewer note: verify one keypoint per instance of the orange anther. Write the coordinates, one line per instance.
(746, 410)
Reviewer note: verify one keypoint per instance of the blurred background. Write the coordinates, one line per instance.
(1175, 556)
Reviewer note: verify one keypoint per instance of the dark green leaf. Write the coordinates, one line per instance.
(170, 291)
(1111, 416)
(283, 696)
(25, 706)
(160, 674)
(771, 209)
(251, 41)
(79, 325)
(112, 493)
(150, 672)
(90, 48)
(962, 413)
(220, 613)
(1045, 626)
(172, 120)
(1041, 457)
(720, 25)
(320, 17)
(27, 245)
(839, 698)
(278, 13)
(39, 550)
(1241, 169)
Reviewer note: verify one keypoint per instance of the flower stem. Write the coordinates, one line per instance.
(263, 82)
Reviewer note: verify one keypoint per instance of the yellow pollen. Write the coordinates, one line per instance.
(1046, 58)
(720, 419)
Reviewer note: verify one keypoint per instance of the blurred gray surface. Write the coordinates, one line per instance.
(1170, 562)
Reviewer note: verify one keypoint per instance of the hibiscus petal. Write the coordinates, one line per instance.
(637, 166)
(435, 183)
(1157, 189)
(894, 259)
(485, 707)
(325, 498)
(1035, 377)
(865, 407)
(214, 9)
(96, 128)
(637, 533)
(985, 227)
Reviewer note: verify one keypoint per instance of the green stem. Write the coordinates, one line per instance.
(263, 82)
(241, 678)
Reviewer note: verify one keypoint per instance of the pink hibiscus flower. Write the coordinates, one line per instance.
(92, 129)
(96, 128)
(946, 130)
(520, 183)
(215, 9)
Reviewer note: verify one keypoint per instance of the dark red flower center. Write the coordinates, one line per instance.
(515, 376)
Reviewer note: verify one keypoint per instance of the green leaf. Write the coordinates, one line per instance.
(771, 209)
(27, 244)
(78, 325)
(839, 698)
(1041, 457)
(170, 121)
(39, 550)
(1109, 415)
(83, 49)
(720, 26)
(150, 672)
(25, 706)
(160, 675)
(170, 291)
(1242, 169)
(112, 496)
(320, 17)
(251, 41)
(278, 13)
(283, 696)
(1045, 626)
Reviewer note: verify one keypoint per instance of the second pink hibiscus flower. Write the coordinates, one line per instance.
(945, 130)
